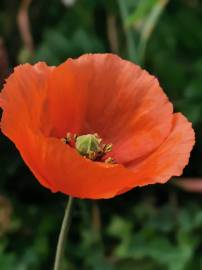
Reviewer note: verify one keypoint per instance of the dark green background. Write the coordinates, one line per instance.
(153, 228)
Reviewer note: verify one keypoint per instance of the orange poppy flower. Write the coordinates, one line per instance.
(96, 93)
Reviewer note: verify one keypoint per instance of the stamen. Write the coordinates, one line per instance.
(107, 148)
(110, 160)
(67, 139)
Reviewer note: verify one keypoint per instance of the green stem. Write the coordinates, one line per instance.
(62, 236)
(128, 32)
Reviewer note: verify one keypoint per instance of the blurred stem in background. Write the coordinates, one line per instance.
(149, 26)
(23, 22)
(112, 33)
(142, 22)
(132, 54)
(4, 65)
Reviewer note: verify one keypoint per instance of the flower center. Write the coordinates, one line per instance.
(89, 146)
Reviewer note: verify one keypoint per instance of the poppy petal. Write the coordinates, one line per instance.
(23, 97)
(170, 158)
(22, 101)
(117, 99)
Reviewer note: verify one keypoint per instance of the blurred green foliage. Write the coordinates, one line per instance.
(153, 228)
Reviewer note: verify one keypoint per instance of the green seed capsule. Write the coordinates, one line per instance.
(88, 144)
